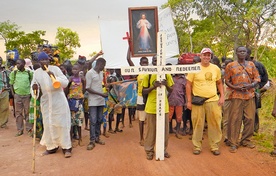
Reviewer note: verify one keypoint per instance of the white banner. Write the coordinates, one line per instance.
(113, 45)
(166, 25)
(115, 48)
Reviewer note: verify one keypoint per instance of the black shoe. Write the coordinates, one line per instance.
(216, 152)
(117, 130)
(167, 155)
(196, 152)
(47, 152)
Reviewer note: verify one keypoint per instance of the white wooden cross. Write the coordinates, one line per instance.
(161, 70)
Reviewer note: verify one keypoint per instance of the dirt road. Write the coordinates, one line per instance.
(122, 155)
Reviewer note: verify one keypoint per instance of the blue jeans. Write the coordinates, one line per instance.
(96, 118)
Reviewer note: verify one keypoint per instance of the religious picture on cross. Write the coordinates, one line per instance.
(143, 27)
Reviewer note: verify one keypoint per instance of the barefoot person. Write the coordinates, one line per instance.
(54, 107)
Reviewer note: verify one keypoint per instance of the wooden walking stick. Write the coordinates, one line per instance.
(34, 132)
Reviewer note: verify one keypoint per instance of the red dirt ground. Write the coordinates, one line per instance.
(122, 155)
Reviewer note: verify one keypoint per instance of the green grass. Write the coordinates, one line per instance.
(264, 139)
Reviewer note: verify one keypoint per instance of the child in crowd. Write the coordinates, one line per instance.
(177, 100)
(113, 106)
(75, 95)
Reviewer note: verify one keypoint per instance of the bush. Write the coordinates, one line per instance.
(264, 139)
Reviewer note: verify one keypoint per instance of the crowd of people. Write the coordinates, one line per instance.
(219, 99)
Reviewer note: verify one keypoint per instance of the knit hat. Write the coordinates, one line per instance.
(42, 55)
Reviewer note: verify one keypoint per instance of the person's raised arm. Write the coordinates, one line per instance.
(130, 63)
(95, 57)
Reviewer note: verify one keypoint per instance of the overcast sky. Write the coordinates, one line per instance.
(80, 16)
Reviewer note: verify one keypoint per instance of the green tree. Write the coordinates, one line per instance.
(247, 23)
(14, 38)
(224, 25)
(67, 41)
(7, 27)
(25, 43)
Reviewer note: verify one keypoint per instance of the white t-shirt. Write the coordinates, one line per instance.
(94, 81)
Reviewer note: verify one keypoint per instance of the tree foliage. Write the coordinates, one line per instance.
(67, 41)
(25, 43)
(7, 27)
(224, 25)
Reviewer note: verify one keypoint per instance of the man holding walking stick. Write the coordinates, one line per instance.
(54, 107)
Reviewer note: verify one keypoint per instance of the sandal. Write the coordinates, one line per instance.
(19, 133)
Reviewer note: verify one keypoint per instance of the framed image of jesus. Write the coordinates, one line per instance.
(143, 28)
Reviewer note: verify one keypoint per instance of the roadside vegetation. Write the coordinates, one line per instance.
(264, 139)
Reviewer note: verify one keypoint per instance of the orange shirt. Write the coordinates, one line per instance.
(239, 75)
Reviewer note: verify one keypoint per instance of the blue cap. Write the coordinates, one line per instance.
(42, 55)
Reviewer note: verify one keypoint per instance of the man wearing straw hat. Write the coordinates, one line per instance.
(54, 107)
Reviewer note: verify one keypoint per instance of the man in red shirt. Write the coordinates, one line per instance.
(241, 77)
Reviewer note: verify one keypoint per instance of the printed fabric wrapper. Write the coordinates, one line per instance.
(127, 93)
(39, 123)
